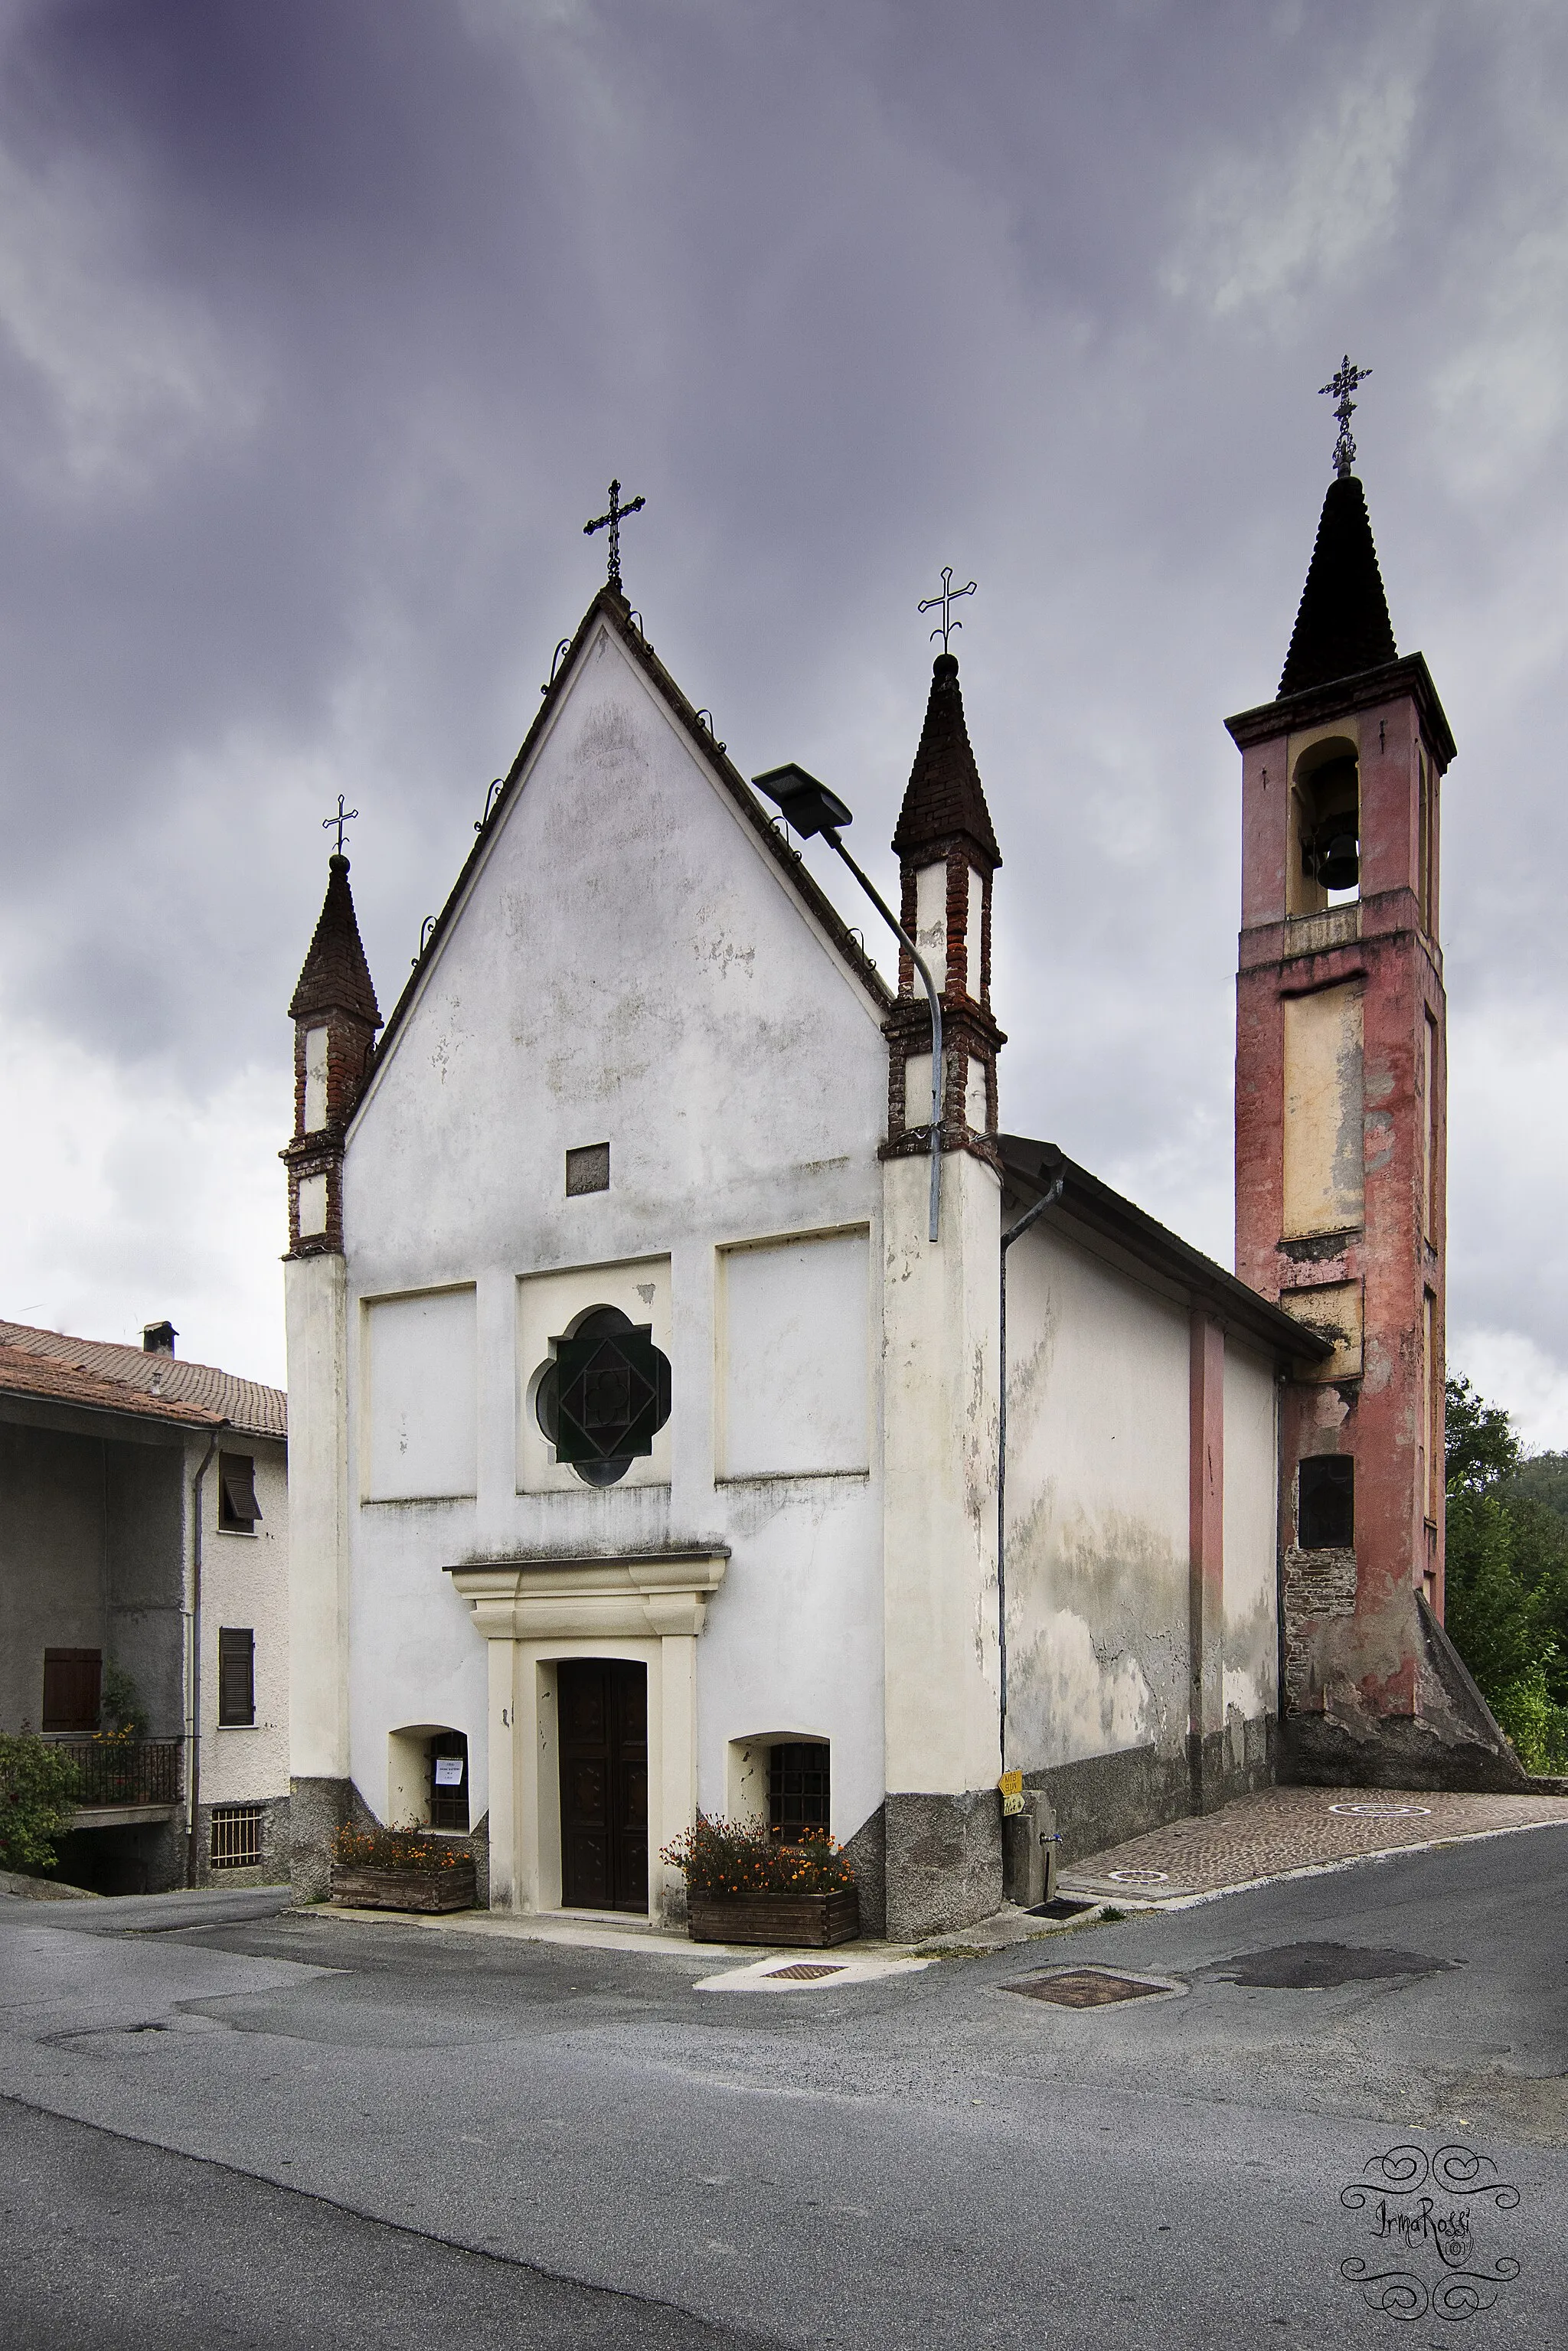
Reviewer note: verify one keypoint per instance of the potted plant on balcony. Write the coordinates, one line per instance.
(400, 1869)
(744, 1885)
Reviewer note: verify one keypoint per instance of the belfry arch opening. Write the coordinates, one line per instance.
(1325, 827)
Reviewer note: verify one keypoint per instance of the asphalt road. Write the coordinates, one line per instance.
(294, 2131)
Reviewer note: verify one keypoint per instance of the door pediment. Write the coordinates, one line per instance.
(538, 1596)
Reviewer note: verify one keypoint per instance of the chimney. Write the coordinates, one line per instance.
(158, 1338)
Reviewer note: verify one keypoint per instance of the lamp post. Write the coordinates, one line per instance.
(808, 808)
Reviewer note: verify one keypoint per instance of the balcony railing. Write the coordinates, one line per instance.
(143, 1771)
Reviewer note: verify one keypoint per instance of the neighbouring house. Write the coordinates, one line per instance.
(658, 1441)
(144, 1573)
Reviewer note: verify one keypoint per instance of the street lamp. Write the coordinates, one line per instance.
(806, 808)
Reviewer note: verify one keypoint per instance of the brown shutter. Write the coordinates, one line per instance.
(71, 1687)
(236, 1479)
(237, 1675)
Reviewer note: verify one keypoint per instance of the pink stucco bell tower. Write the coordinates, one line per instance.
(1341, 1131)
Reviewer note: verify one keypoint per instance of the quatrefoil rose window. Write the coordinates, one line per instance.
(604, 1395)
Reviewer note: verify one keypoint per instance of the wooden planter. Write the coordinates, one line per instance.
(405, 1889)
(810, 1921)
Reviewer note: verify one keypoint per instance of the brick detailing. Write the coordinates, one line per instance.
(944, 822)
(1317, 1584)
(335, 994)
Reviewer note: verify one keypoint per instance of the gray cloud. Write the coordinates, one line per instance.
(323, 326)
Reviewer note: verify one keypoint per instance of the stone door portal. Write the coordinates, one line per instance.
(603, 1712)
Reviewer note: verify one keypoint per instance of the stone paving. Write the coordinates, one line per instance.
(1284, 1829)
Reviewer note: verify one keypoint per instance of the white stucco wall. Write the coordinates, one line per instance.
(1096, 1504)
(629, 966)
(1252, 1652)
(245, 1582)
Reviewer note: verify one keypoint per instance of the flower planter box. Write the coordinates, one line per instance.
(809, 1921)
(405, 1889)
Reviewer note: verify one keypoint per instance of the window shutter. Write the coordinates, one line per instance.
(237, 1675)
(72, 1680)
(236, 1479)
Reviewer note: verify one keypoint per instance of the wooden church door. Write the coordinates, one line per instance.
(603, 1712)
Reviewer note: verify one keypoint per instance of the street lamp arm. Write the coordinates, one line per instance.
(934, 998)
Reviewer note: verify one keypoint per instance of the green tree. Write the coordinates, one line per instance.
(1478, 1440)
(1507, 1607)
(37, 1799)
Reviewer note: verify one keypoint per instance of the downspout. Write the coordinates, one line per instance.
(193, 1777)
(1048, 1199)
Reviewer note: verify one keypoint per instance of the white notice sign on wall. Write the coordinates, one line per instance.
(449, 1770)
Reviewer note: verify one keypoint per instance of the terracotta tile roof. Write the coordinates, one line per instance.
(945, 799)
(336, 977)
(109, 1376)
(1343, 626)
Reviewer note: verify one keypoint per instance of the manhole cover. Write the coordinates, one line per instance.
(1383, 1811)
(1085, 1988)
(1323, 1967)
(805, 1971)
(1137, 1876)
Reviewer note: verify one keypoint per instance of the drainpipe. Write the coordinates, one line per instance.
(1048, 1199)
(193, 1777)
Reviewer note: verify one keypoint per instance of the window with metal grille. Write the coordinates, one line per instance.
(72, 1681)
(236, 1675)
(236, 1836)
(449, 1781)
(797, 1789)
(1325, 1502)
(238, 1508)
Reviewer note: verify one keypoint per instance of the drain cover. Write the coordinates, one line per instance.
(1383, 1811)
(805, 1971)
(1061, 1906)
(1084, 1988)
(1323, 1967)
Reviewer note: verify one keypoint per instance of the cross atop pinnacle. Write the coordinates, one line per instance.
(945, 603)
(1342, 383)
(614, 518)
(344, 816)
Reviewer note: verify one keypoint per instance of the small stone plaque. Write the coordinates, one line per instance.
(588, 1169)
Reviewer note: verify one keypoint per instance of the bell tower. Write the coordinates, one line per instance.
(1341, 1095)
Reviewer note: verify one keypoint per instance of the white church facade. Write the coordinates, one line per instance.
(647, 1453)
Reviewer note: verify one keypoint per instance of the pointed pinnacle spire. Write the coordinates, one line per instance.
(1343, 626)
(336, 977)
(945, 801)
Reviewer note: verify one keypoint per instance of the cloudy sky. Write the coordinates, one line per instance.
(324, 324)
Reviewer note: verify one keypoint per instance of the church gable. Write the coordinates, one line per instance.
(632, 957)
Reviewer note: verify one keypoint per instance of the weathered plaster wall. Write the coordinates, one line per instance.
(628, 967)
(245, 1582)
(1097, 1507)
(1252, 1650)
(53, 1558)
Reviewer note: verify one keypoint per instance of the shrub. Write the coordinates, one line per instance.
(404, 1848)
(37, 1799)
(720, 1856)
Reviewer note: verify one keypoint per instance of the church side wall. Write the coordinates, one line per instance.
(1096, 1536)
(1251, 1628)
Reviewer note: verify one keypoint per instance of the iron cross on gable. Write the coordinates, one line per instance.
(344, 816)
(614, 518)
(945, 602)
(1342, 383)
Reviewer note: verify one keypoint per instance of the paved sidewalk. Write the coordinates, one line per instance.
(1284, 1830)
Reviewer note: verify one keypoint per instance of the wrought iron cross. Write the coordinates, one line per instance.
(344, 816)
(614, 518)
(945, 602)
(1342, 383)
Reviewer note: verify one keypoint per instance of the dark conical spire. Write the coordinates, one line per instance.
(336, 977)
(945, 801)
(1343, 626)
